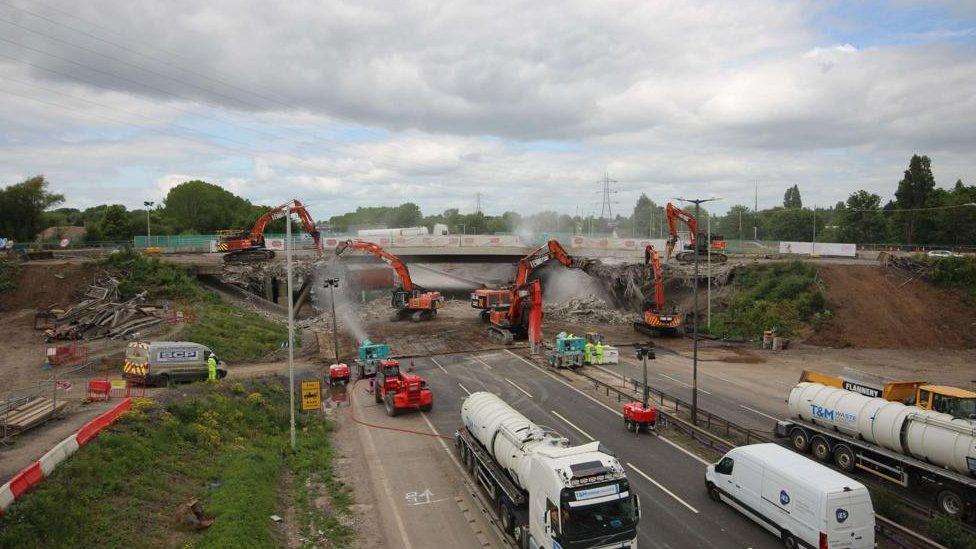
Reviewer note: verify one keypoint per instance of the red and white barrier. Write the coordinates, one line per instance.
(33, 474)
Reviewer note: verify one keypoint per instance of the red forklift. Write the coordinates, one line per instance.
(398, 391)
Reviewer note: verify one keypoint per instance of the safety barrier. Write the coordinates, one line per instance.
(34, 474)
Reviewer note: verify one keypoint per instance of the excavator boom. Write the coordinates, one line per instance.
(656, 320)
(393, 261)
(652, 259)
(251, 245)
(698, 243)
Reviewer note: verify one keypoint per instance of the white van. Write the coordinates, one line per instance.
(799, 500)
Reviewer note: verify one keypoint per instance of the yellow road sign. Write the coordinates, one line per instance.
(311, 395)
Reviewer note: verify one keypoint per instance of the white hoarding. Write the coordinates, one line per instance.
(818, 248)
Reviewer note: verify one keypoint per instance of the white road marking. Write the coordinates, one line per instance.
(513, 384)
(659, 485)
(465, 389)
(457, 464)
(483, 362)
(438, 364)
(570, 423)
(368, 440)
(678, 381)
(763, 414)
(609, 409)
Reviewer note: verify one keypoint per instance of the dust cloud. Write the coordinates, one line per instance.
(346, 306)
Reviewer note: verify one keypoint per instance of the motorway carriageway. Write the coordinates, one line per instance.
(676, 511)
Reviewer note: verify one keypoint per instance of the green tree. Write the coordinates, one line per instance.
(201, 207)
(792, 198)
(645, 213)
(861, 220)
(114, 224)
(913, 193)
(737, 223)
(22, 208)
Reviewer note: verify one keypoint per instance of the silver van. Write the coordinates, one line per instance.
(160, 362)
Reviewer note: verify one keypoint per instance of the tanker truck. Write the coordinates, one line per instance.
(927, 452)
(546, 493)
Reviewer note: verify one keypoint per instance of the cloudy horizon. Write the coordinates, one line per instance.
(346, 104)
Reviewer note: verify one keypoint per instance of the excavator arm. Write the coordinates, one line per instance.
(675, 213)
(552, 250)
(653, 260)
(291, 207)
(392, 260)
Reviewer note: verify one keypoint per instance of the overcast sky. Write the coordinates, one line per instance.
(529, 103)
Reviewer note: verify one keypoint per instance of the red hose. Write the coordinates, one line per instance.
(352, 413)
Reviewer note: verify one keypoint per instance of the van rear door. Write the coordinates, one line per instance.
(850, 519)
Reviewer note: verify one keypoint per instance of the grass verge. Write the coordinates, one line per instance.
(225, 445)
(234, 333)
(784, 296)
(9, 271)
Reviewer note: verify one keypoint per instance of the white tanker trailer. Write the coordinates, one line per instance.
(925, 451)
(546, 492)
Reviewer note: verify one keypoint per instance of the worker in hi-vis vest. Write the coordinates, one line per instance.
(599, 353)
(588, 353)
(212, 368)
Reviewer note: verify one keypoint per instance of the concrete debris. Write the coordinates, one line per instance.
(631, 284)
(192, 515)
(586, 309)
(910, 267)
(102, 314)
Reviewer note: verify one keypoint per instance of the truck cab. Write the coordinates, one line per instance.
(959, 403)
(580, 498)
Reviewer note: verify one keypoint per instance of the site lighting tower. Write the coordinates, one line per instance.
(148, 204)
(332, 284)
(694, 368)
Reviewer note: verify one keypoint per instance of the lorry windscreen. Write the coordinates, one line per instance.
(599, 520)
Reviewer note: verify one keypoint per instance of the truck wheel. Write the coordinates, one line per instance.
(164, 380)
(950, 503)
(844, 458)
(377, 396)
(506, 517)
(391, 410)
(518, 532)
(789, 541)
(820, 449)
(800, 440)
(713, 493)
(427, 407)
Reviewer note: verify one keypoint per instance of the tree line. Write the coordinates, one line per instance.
(920, 213)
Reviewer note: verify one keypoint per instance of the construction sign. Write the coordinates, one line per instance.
(311, 395)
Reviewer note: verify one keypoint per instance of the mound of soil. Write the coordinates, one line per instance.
(872, 309)
(44, 284)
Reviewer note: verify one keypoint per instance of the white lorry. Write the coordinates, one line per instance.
(800, 501)
(929, 453)
(546, 493)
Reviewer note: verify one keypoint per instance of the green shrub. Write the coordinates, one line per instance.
(782, 296)
(949, 532)
(9, 271)
(235, 334)
(160, 279)
(955, 272)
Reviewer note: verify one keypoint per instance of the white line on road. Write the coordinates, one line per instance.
(465, 389)
(513, 384)
(570, 423)
(763, 414)
(384, 482)
(678, 381)
(438, 364)
(483, 362)
(659, 485)
(609, 409)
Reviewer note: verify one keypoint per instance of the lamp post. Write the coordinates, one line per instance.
(332, 284)
(148, 204)
(694, 369)
(644, 352)
(291, 330)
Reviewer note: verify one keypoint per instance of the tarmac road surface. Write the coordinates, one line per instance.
(676, 511)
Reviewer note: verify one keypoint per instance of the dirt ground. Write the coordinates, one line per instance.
(44, 284)
(874, 308)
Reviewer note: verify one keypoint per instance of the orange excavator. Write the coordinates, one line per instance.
(488, 299)
(657, 320)
(244, 246)
(698, 243)
(409, 300)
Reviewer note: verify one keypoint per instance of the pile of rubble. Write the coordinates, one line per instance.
(910, 267)
(587, 309)
(102, 314)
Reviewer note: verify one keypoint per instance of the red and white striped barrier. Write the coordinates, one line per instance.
(33, 474)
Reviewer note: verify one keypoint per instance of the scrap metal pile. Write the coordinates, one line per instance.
(909, 267)
(102, 314)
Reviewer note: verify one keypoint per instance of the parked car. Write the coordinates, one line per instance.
(942, 253)
(799, 500)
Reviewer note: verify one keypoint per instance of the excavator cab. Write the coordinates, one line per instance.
(958, 403)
